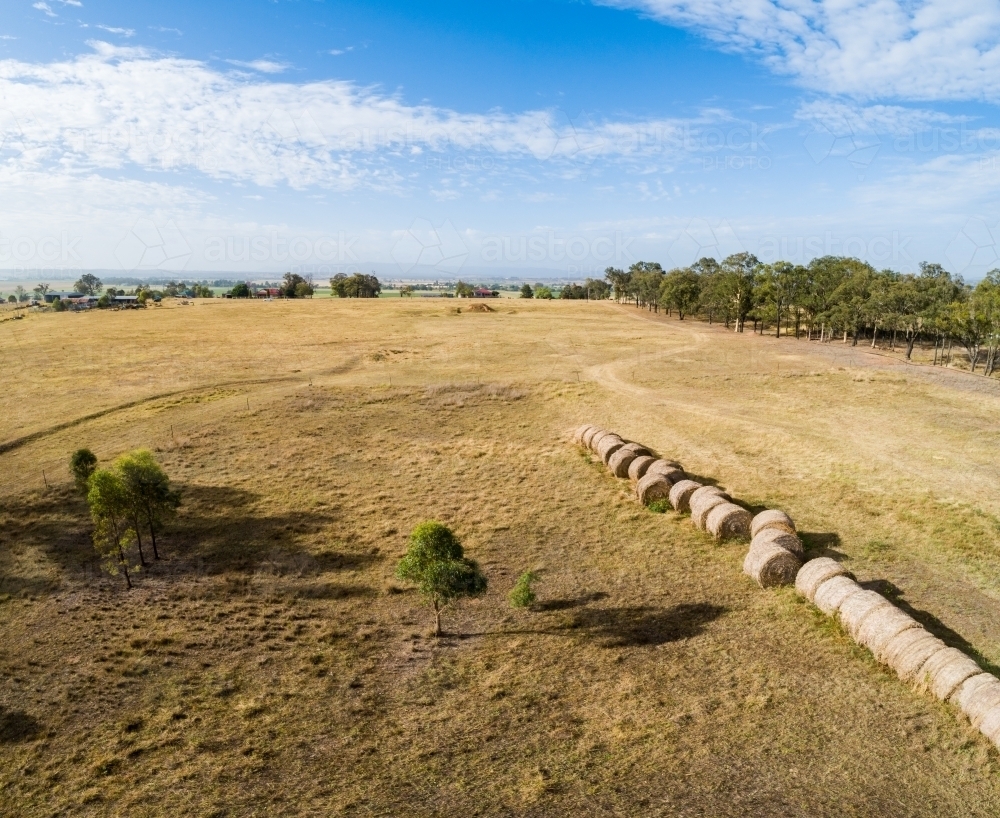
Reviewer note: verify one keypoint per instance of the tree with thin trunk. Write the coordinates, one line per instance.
(151, 500)
(113, 534)
(436, 562)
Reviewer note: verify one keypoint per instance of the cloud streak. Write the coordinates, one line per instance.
(120, 107)
(866, 49)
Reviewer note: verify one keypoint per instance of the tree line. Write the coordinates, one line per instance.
(832, 296)
(128, 501)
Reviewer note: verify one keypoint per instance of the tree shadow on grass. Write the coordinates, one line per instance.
(16, 725)
(225, 529)
(934, 625)
(568, 602)
(218, 529)
(645, 625)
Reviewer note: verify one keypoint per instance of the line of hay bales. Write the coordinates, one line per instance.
(897, 640)
(776, 556)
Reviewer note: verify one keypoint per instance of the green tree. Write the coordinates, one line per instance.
(463, 290)
(20, 293)
(406, 290)
(436, 562)
(526, 291)
(620, 282)
(151, 500)
(41, 290)
(544, 292)
(241, 290)
(109, 509)
(88, 284)
(681, 290)
(597, 290)
(738, 279)
(82, 464)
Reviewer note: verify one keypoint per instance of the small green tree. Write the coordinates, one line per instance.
(544, 292)
(241, 290)
(522, 594)
(150, 498)
(109, 508)
(88, 284)
(526, 291)
(436, 562)
(82, 464)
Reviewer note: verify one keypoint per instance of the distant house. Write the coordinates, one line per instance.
(268, 292)
(482, 292)
(126, 299)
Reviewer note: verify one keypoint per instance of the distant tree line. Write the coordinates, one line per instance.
(358, 285)
(830, 296)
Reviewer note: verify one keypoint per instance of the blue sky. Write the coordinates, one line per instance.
(447, 139)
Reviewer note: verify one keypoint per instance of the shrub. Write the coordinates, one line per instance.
(659, 506)
(522, 594)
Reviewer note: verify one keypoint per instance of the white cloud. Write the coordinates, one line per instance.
(42, 6)
(125, 32)
(75, 3)
(122, 107)
(868, 49)
(336, 52)
(263, 66)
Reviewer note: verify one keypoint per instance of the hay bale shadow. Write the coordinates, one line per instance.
(16, 726)
(646, 625)
(821, 544)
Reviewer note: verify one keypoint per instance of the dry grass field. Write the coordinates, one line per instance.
(272, 665)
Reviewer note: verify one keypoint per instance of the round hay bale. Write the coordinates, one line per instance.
(580, 432)
(770, 565)
(665, 466)
(668, 468)
(881, 627)
(652, 487)
(680, 494)
(608, 446)
(703, 501)
(588, 437)
(977, 696)
(815, 572)
(637, 449)
(619, 462)
(728, 521)
(989, 725)
(772, 518)
(945, 670)
(907, 652)
(776, 536)
(857, 607)
(831, 594)
(595, 441)
(638, 466)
